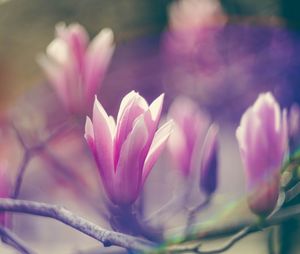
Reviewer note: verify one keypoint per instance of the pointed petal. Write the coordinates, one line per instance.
(130, 164)
(152, 116)
(112, 125)
(89, 133)
(103, 141)
(135, 107)
(157, 146)
(178, 150)
(103, 40)
(98, 56)
(191, 120)
(128, 100)
(58, 51)
(155, 108)
(56, 77)
(209, 161)
(77, 39)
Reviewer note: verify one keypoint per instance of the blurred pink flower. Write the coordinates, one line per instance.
(75, 67)
(186, 141)
(191, 51)
(262, 138)
(126, 151)
(191, 21)
(186, 15)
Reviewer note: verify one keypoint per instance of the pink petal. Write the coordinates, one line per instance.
(98, 56)
(103, 139)
(209, 161)
(191, 120)
(152, 117)
(155, 109)
(56, 76)
(178, 149)
(127, 100)
(77, 40)
(69, 84)
(130, 165)
(58, 51)
(135, 107)
(157, 146)
(89, 134)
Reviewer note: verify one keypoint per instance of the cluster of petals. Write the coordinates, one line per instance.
(262, 137)
(76, 67)
(126, 150)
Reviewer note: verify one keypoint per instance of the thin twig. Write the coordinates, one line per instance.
(14, 241)
(19, 137)
(193, 215)
(219, 232)
(61, 214)
(21, 172)
(169, 207)
(240, 235)
(24, 162)
(81, 190)
(196, 247)
(242, 231)
(292, 192)
(29, 152)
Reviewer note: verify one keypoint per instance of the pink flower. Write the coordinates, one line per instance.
(262, 138)
(186, 141)
(75, 67)
(126, 151)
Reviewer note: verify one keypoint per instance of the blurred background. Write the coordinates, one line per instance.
(26, 28)
(249, 46)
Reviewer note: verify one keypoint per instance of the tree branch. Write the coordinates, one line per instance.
(195, 247)
(13, 240)
(61, 214)
(109, 238)
(29, 152)
(193, 214)
(238, 236)
(241, 231)
(20, 175)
